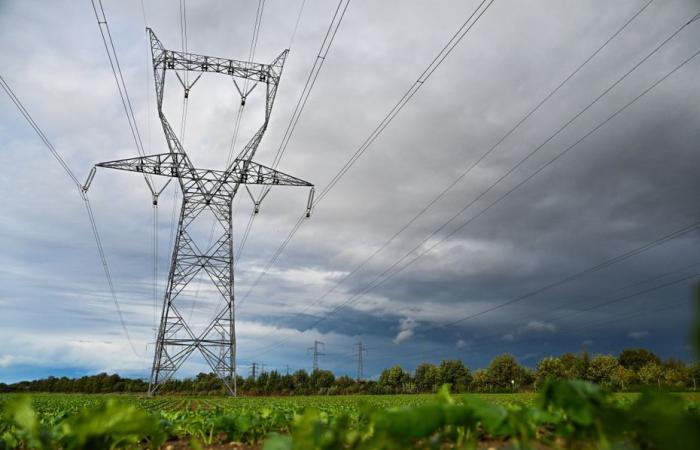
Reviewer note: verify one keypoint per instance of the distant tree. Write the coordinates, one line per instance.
(550, 368)
(262, 383)
(301, 381)
(622, 377)
(276, 384)
(584, 363)
(427, 377)
(393, 379)
(694, 376)
(602, 369)
(571, 366)
(651, 373)
(321, 380)
(345, 384)
(454, 373)
(504, 373)
(480, 381)
(287, 384)
(636, 358)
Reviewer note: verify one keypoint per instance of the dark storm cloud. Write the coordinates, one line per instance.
(631, 182)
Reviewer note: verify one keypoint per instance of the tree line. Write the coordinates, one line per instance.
(633, 369)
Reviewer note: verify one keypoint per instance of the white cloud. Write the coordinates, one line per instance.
(62, 349)
(527, 356)
(462, 343)
(6, 360)
(638, 334)
(406, 327)
(533, 326)
(309, 276)
(537, 326)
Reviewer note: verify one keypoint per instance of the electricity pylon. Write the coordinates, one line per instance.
(361, 350)
(316, 353)
(204, 190)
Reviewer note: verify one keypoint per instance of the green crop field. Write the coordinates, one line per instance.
(565, 413)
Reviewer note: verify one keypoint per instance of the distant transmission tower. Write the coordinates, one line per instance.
(204, 190)
(316, 353)
(360, 360)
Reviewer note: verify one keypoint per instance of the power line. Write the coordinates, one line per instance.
(377, 281)
(108, 273)
(93, 225)
(586, 326)
(609, 262)
(185, 74)
(10, 93)
(102, 24)
(239, 116)
(296, 25)
(182, 11)
(106, 34)
(244, 92)
(148, 91)
(393, 112)
(154, 231)
(301, 103)
(610, 301)
(415, 87)
(595, 268)
(251, 54)
(475, 163)
(311, 78)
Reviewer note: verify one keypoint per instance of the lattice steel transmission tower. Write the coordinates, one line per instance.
(361, 351)
(316, 353)
(204, 190)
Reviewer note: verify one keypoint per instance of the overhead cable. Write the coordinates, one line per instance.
(88, 207)
(393, 112)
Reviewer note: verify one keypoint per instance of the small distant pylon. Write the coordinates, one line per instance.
(361, 350)
(316, 353)
(253, 370)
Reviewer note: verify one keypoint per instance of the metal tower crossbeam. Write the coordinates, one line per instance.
(202, 190)
(178, 166)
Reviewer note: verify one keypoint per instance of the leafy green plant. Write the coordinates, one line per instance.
(567, 414)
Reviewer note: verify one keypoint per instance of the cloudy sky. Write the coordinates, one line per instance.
(507, 274)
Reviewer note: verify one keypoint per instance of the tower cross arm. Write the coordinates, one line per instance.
(248, 172)
(193, 62)
(165, 164)
(177, 165)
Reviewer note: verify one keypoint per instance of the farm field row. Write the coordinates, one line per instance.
(73, 402)
(567, 411)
